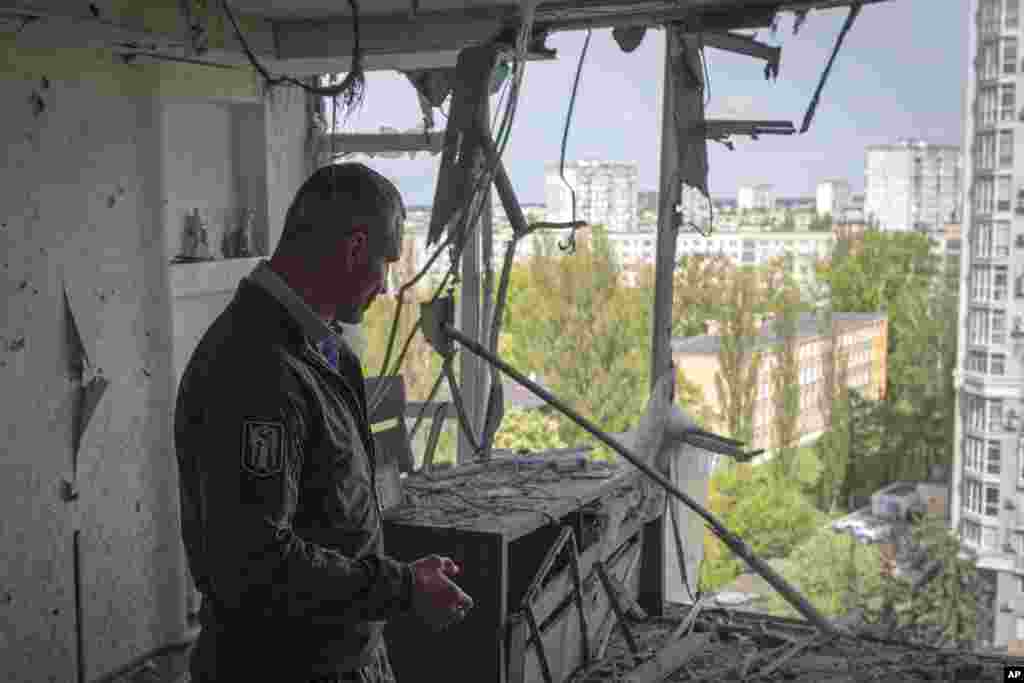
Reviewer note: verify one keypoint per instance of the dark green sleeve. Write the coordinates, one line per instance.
(251, 465)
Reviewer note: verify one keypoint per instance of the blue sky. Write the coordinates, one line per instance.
(901, 73)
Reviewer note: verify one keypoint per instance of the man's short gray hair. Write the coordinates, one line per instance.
(333, 202)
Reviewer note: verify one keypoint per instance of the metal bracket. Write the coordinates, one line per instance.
(734, 42)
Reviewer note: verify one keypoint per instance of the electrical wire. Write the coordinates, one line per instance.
(470, 217)
(570, 245)
(352, 87)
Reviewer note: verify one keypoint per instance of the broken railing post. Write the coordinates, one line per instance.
(735, 543)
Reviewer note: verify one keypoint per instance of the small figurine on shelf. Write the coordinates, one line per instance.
(238, 242)
(195, 244)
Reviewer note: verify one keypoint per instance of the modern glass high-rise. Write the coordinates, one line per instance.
(987, 506)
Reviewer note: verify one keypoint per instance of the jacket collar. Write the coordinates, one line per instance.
(311, 324)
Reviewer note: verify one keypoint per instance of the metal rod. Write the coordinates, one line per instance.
(735, 543)
(620, 615)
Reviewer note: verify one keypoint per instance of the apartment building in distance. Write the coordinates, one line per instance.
(988, 467)
(863, 341)
(760, 196)
(912, 185)
(606, 193)
(832, 197)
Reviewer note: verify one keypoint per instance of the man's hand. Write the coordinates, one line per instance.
(436, 599)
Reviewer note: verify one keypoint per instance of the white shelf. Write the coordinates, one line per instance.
(209, 277)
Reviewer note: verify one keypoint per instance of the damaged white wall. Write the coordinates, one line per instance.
(221, 157)
(83, 191)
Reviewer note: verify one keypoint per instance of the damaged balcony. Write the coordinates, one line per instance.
(113, 250)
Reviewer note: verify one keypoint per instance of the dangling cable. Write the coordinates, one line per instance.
(570, 245)
(352, 89)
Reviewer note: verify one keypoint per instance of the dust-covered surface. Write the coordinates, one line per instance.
(742, 646)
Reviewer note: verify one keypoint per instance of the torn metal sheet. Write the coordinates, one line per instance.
(463, 155)
(90, 384)
(688, 72)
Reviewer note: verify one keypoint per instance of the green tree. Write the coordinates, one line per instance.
(532, 430)
(773, 517)
(833, 571)
(785, 380)
(739, 361)
(572, 322)
(422, 364)
(788, 222)
(697, 284)
(898, 274)
(938, 604)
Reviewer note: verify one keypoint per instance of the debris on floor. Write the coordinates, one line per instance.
(729, 645)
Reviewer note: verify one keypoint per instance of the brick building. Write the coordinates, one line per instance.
(863, 339)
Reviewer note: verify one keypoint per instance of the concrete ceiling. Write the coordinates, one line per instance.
(308, 37)
(319, 9)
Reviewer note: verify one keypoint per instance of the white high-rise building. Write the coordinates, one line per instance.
(756, 197)
(987, 506)
(606, 193)
(912, 185)
(833, 197)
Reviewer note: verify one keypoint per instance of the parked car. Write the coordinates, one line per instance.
(851, 523)
(873, 533)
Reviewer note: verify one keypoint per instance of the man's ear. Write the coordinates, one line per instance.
(357, 248)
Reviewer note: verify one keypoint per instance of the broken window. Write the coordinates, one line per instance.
(1009, 56)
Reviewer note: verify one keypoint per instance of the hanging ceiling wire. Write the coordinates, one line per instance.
(469, 214)
(570, 244)
(352, 89)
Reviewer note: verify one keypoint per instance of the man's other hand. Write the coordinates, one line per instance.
(437, 600)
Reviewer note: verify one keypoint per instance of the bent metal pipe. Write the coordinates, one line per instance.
(734, 542)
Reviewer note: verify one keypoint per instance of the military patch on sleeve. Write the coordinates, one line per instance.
(263, 447)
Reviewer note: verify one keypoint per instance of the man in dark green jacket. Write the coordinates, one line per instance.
(280, 512)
